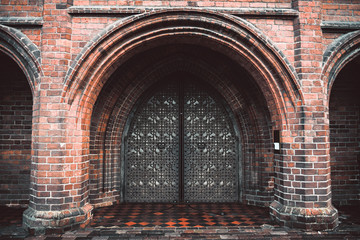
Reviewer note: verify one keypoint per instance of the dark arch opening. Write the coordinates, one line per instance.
(234, 83)
(16, 104)
(344, 114)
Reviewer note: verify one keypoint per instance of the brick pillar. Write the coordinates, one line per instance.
(303, 186)
(58, 194)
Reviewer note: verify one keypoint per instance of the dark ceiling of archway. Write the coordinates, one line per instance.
(9, 68)
(218, 62)
(347, 82)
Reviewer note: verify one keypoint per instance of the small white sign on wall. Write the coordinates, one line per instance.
(277, 146)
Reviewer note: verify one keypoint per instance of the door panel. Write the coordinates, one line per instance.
(209, 149)
(152, 161)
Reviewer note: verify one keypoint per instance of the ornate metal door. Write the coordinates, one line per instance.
(181, 146)
(152, 160)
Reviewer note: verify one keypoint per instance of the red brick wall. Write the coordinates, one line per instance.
(21, 8)
(84, 29)
(176, 3)
(281, 31)
(329, 37)
(15, 133)
(345, 136)
(339, 10)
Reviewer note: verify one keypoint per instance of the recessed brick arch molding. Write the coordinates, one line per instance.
(340, 74)
(297, 202)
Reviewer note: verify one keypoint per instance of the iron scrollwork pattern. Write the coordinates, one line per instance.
(152, 173)
(210, 164)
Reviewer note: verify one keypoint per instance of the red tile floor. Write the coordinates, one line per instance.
(182, 221)
(180, 215)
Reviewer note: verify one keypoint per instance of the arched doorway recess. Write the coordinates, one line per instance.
(247, 108)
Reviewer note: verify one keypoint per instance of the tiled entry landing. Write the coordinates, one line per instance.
(180, 215)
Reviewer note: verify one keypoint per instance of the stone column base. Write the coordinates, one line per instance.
(304, 218)
(40, 222)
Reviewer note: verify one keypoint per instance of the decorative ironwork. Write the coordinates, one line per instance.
(152, 170)
(181, 147)
(209, 149)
